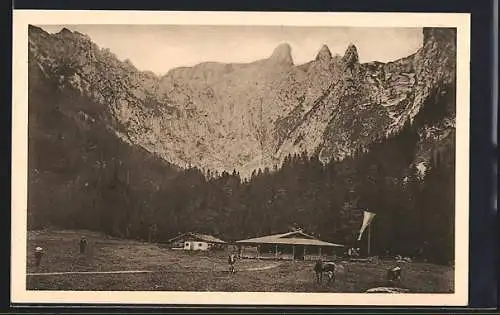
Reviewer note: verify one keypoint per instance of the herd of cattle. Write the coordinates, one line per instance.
(329, 270)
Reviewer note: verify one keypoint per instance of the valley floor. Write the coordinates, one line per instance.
(112, 264)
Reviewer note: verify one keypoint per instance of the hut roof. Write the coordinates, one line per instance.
(202, 237)
(290, 238)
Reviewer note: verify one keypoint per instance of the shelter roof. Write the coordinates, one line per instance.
(202, 237)
(290, 238)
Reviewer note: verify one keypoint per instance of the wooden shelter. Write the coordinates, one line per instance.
(295, 245)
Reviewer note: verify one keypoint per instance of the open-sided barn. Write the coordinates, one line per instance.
(295, 245)
(196, 241)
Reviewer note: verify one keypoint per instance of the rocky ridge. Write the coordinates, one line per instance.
(246, 116)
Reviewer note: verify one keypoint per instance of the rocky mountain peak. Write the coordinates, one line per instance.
(351, 55)
(35, 29)
(282, 53)
(65, 32)
(441, 35)
(324, 54)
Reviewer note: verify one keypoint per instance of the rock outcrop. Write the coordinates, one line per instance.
(282, 54)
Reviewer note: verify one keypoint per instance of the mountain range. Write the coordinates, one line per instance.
(246, 116)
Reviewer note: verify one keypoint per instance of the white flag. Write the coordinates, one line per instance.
(367, 219)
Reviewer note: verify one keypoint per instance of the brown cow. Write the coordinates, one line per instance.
(394, 274)
(320, 268)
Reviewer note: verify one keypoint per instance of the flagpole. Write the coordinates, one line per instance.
(367, 218)
(369, 238)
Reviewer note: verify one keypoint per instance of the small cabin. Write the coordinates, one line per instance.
(196, 242)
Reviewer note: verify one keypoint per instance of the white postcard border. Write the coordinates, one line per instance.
(21, 19)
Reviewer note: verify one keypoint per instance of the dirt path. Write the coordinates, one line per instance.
(87, 272)
(131, 271)
(261, 268)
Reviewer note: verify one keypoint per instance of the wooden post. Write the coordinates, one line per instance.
(319, 251)
(276, 251)
(293, 252)
(258, 252)
(369, 238)
(304, 252)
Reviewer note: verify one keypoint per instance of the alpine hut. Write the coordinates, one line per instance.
(196, 241)
(295, 245)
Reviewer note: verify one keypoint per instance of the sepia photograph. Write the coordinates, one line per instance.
(240, 157)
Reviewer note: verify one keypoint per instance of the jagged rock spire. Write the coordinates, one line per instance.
(351, 55)
(65, 31)
(324, 54)
(283, 54)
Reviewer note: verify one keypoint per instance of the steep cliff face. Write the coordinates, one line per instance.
(245, 116)
(241, 105)
(375, 100)
(78, 166)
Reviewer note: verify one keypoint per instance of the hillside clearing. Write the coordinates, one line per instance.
(125, 265)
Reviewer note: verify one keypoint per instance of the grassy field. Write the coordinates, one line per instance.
(173, 270)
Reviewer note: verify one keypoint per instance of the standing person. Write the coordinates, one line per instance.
(350, 252)
(38, 255)
(83, 244)
(231, 261)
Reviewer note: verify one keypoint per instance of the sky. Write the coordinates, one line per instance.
(159, 48)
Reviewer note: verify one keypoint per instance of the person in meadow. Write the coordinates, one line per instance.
(231, 260)
(38, 255)
(83, 244)
(350, 252)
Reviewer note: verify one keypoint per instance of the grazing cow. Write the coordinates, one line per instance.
(231, 261)
(394, 274)
(328, 268)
